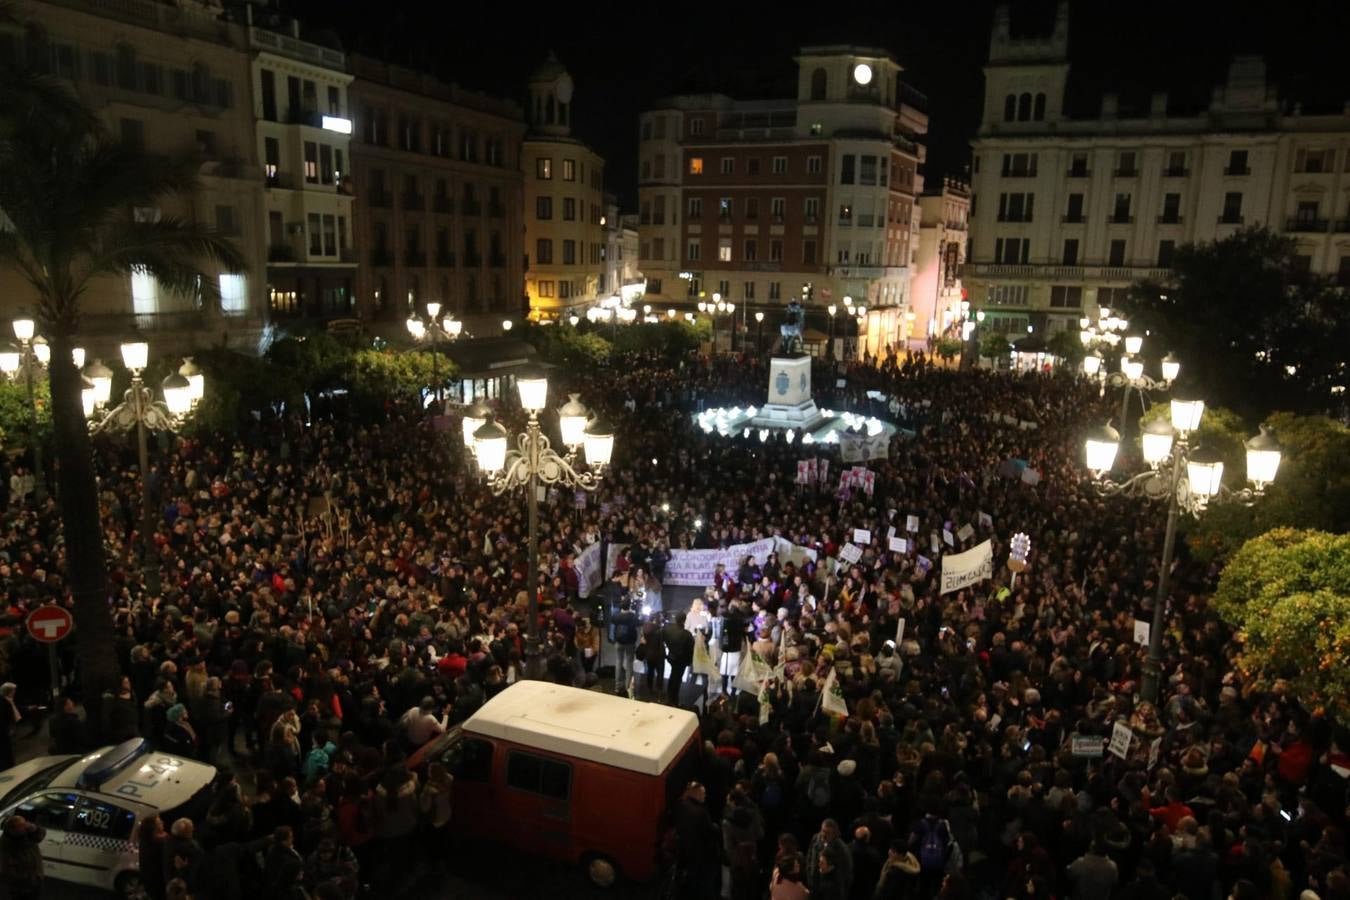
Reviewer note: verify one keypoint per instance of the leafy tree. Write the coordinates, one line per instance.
(994, 344)
(1288, 593)
(1067, 346)
(1254, 333)
(377, 374)
(68, 191)
(317, 361)
(1311, 490)
(15, 420)
(948, 348)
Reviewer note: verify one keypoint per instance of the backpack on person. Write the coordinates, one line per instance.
(625, 630)
(771, 798)
(934, 842)
(818, 788)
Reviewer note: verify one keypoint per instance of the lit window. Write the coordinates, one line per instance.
(569, 170)
(695, 165)
(724, 250)
(780, 165)
(144, 292)
(234, 294)
(544, 168)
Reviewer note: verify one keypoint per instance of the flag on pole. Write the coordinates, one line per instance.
(753, 672)
(832, 696)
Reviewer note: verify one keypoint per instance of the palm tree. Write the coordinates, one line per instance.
(67, 195)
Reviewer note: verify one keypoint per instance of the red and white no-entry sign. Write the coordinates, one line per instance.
(49, 624)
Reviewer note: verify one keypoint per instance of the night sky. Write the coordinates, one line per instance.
(624, 55)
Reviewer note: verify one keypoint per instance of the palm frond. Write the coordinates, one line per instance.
(31, 100)
(171, 249)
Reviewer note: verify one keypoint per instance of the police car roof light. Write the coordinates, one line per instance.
(112, 761)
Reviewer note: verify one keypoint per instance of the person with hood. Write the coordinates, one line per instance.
(21, 858)
(180, 738)
(899, 873)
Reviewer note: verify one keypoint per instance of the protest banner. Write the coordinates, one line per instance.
(965, 532)
(752, 672)
(703, 664)
(961, 570)
(1086, 746)
(898, 545)
(850, 553)
(1031, 476)
(985, 520)
(1141, 632)
(1121, 738)
(803, 471)
(912, 524)
(947, 538)
(899, 632)
(1154, 751)
(832, 696)
(590, 574)
(695, 568)
(862, 536)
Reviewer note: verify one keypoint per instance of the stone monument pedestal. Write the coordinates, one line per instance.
(789, 404)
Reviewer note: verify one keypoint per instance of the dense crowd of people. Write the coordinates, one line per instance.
(336, 592)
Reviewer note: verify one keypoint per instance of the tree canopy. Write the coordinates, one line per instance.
(1254, 330)
(1288, 594)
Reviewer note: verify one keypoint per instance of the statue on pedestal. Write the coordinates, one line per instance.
(790, 332)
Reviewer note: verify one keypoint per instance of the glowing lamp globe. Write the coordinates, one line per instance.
(599, 443)
(1157, 440)
(489, 443)
(1171, 368)
(101, 377)
(177, 394)
(533, 388)
(474, 418)
(1263, 458)
(1204, 471)
(572, 417)
(1101, 446)
(135, 355)
(1186, 414)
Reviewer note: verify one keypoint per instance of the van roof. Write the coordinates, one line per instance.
(602, 728)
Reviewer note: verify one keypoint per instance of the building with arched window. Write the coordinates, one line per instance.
(809, 198)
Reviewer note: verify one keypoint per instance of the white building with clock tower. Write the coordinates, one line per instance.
(564, 201)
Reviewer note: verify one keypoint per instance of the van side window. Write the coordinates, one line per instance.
(103, 819)
(470, 759)
(539, 775)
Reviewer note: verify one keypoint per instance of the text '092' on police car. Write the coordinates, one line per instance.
(91, 805)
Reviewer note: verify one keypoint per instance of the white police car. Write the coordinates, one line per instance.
(91, 805)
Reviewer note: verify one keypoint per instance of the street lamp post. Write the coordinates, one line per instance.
(534, 462)
(1188, 479)
(759, 333)
(140, 410)
(431, 330)
(829, 345)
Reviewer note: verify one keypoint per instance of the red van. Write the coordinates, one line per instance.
(574, 775)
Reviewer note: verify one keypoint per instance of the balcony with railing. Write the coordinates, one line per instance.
(473, 260)
(496, 210)
(1341, 226)
(379, 200)
(295, 48)
(130, 323)
(1176, 172)
(473, 208)
(1119, 218)
(414, 257)
(1126, 172)
(1077, 172)
(1231, 219)
(445, 259)
(1307, 225)
(1237, 170)
(281, 253)
(497, 261)
(381, 257)
(1074, 219)
(1059, 272)
(414, 201)
(1169, 219)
